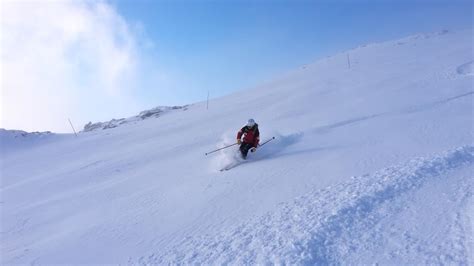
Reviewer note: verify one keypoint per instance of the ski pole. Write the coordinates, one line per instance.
(266, 142)
(221, 148)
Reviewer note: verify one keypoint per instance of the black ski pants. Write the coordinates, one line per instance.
(244, 149)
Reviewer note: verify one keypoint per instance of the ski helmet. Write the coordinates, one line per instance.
(251, 122)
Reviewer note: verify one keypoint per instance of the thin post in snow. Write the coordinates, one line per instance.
(72, 127)
(348, 61)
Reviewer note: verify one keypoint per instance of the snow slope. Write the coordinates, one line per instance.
(371, 164)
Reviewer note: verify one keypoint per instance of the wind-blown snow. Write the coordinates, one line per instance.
(370, 164)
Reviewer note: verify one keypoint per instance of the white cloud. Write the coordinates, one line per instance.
(63, 59)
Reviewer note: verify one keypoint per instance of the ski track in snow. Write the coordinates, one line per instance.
(328, 226)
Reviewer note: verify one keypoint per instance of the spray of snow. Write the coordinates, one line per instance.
(227, 156)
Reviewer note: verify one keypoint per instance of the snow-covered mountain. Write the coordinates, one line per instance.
(372, 163)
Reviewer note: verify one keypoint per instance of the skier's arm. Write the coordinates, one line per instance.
(257, 139)
(239, 134)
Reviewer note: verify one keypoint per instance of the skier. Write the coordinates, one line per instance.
(248, 138)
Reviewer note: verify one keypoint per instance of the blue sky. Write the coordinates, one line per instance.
(97, 60)
(223, 46)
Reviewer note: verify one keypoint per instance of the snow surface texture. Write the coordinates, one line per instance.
(355, 221)
(466, 69)
(370, 164)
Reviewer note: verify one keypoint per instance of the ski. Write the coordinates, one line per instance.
(228, 167)
(225, 169)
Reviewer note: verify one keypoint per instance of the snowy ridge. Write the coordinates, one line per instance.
(155, 112)
(19, 139)
(4, 133)
(324, 226)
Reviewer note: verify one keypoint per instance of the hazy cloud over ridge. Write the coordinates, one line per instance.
(63, 59)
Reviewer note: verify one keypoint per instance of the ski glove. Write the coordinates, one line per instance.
(239, 141)
(253, 149)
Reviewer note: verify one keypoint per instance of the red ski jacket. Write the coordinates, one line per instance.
(251, 135)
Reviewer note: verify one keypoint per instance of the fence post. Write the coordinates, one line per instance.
(72, 127)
